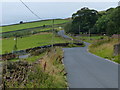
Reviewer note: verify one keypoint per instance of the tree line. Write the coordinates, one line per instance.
(87, 20)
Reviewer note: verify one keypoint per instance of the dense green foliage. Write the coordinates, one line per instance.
(105, 48)
(68, 27)
(103, 22)
(109, 22)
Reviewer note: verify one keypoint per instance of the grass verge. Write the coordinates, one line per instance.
(30, 42)
(102, 46)
(105, 49)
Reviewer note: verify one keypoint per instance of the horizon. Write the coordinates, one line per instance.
(61, 1)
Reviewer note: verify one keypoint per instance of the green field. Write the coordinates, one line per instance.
(30, 42)
(31, 25)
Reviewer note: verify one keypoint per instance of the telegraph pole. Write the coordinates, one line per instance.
(79, 33)
(89, 34)
(79, 29)
(15, 46)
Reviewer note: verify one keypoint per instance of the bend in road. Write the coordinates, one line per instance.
(89, 71)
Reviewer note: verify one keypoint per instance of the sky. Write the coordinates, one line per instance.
(60, 0)
(14, 11)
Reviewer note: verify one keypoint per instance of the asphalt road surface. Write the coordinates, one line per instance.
(86, 70)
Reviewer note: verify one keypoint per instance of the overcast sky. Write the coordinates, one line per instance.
(16, 11)
(60, 0)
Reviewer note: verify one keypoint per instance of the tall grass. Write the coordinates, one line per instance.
(30, 25)
(23, 74)
(104, 48)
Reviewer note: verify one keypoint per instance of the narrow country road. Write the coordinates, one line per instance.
(86, 70)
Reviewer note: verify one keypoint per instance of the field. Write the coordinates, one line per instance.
(30, 38)
(30, 41)
(31, 25)
(43, 68)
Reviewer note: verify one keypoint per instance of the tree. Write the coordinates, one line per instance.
(97, 22)
(115, 18)
(101, 25)
(85, 18)
(109, 22)
(110, 28)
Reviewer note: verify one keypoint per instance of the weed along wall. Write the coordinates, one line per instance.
(45, 71)
(117, 49)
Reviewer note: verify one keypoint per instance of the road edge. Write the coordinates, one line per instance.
(101, 57)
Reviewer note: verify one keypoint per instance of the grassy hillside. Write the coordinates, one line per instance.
(31, 25)
(30, 41)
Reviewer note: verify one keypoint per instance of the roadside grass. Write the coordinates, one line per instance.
(105, 49)
(54, 66)
(89, 39)
(46, 72)
(31, 41)
(102, 46)
(31, 25)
